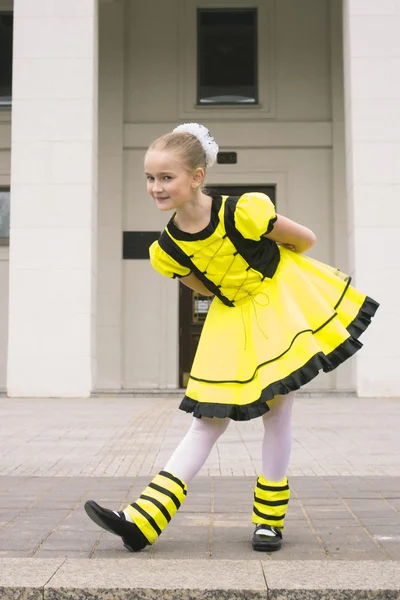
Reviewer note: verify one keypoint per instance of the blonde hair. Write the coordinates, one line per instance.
(185, 145)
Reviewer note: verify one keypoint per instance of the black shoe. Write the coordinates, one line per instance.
(116, 523)
(268, 542)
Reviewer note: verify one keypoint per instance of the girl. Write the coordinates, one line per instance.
(276, 320)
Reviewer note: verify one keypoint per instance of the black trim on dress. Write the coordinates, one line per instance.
(313, 332)
(271, 225)
(294, 381)
(271, 360)
(170, 247)
(348, 282)
(262, 255)
(185, 236)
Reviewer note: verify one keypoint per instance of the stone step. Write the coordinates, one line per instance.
(132, 578)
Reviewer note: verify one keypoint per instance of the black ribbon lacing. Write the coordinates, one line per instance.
(250, 295)
(256, 299)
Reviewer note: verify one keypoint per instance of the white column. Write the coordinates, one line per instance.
(372, 108)
(53, 271)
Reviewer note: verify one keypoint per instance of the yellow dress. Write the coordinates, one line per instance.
(277, 317)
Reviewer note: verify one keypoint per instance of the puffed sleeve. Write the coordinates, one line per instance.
(254, 215)
(164, 264)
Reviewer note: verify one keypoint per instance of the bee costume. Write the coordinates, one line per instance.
(277, 318)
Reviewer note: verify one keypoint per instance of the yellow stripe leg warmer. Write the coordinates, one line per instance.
(270, 502)
(157, 504)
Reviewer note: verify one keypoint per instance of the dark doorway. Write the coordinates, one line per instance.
(193, 307)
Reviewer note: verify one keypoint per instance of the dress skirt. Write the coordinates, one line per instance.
(307, 318)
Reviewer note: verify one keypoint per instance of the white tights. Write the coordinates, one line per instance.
(194, 449)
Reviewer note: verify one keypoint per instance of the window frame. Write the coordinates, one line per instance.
(198, 61)
(6, 9)
(188, 62)
(5, 241)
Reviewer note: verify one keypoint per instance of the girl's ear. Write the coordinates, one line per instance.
(198, 176)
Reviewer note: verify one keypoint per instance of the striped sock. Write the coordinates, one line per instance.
(157, 504)
(270, 502)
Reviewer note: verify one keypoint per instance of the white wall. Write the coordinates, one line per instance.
(301, 31)
(303, 84)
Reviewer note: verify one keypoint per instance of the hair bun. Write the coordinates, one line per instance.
(210, 146)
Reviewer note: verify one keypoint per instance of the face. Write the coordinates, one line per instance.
(169, 183)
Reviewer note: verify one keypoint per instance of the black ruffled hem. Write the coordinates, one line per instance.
(363, 319)
(292, 382)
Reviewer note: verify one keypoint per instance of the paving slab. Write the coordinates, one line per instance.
(129, 437)
(216, 514)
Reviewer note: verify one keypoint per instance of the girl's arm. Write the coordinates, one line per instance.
(195, 284)
(292, 235)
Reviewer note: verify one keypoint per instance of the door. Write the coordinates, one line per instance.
(193, 307)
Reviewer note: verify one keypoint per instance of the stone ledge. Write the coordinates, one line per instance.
(328, 580)
(132, 578)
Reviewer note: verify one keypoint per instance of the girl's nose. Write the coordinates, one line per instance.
(157, 187)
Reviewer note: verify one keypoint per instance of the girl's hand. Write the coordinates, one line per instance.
(288, 246)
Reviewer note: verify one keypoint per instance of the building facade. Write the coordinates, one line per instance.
(94, 82)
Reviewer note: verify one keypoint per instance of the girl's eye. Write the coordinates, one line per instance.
(167, 177)
(150, 178)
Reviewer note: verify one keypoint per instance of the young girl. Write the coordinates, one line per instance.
(276, 320)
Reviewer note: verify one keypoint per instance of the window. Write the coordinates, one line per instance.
(227, 56)
(246, 78)
(6, 43)
(4, 216)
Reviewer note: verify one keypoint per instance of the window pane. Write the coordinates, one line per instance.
(4, 214)
(6, 40)
(227, 56)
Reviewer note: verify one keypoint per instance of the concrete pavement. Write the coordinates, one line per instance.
(131, 437)
(329, 518)
(342, 528)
